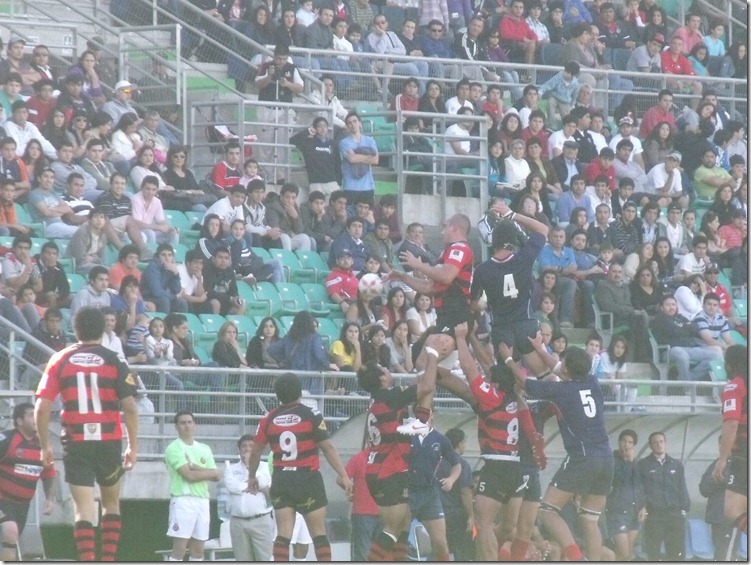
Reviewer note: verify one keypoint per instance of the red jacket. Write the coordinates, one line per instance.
(681, 66)
(513, 29)
(595, 169)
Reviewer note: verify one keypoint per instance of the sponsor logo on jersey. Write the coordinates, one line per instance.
(287, 420)
(86, 360)
(456, 254)
(729, 405)
(28, 470)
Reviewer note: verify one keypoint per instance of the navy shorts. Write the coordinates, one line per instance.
(88, 461)
(425, 503)
(622, 521)
(585, 475)
(515, 335)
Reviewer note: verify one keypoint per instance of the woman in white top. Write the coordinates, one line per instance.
(401, 352)
(125, 140)
(146, 165)
(159, 349)
(421, 316)
(690, 297)
(614, 366)
(517, 168)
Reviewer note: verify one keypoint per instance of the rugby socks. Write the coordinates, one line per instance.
(573, 553)
(322, 548)
(519, 550)
(504, 552)
(422, 414)
(83, 535)
(401, 548)
(281, 549)
(382, 547)
(109, 531)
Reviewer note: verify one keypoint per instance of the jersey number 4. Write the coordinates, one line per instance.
(83, 401)
(509, 286)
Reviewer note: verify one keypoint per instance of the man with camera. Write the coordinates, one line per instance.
(277, 80)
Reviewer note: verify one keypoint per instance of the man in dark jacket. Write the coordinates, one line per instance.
(625, 509)
(670, 328)
(321, 157)
(161, 282)
(220, 284)
(350, 240)
(667, 501)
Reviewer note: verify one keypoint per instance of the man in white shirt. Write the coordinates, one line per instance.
(664, 181)
(696, 261)
(251, 522)
(461, 99)
(675, 231)
(229, 208)
(558, 138)
(625, 127)
(19, 128)
(191, 282)
(456, 142)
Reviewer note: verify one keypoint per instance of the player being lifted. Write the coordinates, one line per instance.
(506, 278)
(387, 469)
(502, 417)
(94, 385)
(295, 432)
(734, 444)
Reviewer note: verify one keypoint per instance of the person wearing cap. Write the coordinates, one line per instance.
(601, 165)
(664, 182)
(41, 104)
(660, 112)
(567, 165)
(121, 101)
(15, 63)
(72, 97)
(229, 208)
(625, 131)
(557, 138)
(19, 128)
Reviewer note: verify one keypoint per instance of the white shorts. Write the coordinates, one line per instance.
(300, 533)
(189, 518)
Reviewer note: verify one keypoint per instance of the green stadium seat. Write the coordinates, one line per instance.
(177, 219)
(195, 327)
(267, 300)
(246, 293)
(203, 355)
(717, 370)
(37, 242)
(290, 262)
(6, 241)
(328, 331)
(76, 282)
(293, 298)
(314, 261)
(194, 218)
(319, 300)
(152, 315)
(262, 253)
(211, 324)
(738, 338)
(740, 308)
(24, 218)
(286, 322)
(67, 324)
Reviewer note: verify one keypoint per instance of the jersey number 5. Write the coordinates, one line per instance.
(83, 401)
(288, 445)
(588, 402)
(509, 286)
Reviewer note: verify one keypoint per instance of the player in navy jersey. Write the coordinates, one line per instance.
(295, 433)
(94, 385)
(502, 418)
(20, 469)
(734, 443)
(506, 279)
(588, 467)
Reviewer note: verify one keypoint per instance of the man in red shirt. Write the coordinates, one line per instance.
(408, 99)
(536, 128)
(517, 36)
(601, 165)
(341, 284)
(364, 516)
(660, 112)
(227, 173)
(673, 62)
(734, 441)
(94, 385)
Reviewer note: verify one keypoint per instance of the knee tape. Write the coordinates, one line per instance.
(547, 507)
(587, 514)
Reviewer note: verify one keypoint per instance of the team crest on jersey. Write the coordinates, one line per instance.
(512, 408)
(285, 420)
(87, 360)
(457, 254)
(729, 405)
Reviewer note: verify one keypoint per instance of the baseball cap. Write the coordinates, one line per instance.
(123, 84)
(659, 38)
(674, 206)
(16, 39)
(625, 120)
(571, 144)
(712, 268)
(675, 155)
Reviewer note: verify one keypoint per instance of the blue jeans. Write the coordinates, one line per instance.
(364, 529)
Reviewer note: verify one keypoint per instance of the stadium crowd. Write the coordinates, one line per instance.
(643, 217)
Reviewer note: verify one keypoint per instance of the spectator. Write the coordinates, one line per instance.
(625, 133)
(558, 138)
(342, 284)
(226, 173)
(283, 213)
(601, 230)
(95, 293)
(712, 326)
(627, 230)
(651, 229)
(639, 258)
(125, 143)
(674, 62)
(627, 169)
(386, 211)
(48, 278)
(72, 98)
(420, 316)
(8, 221)
(335, 218)
(395, 309)
(602, 165)
(49, 332)
(118, 209)
(468, 46)
(256, 355)
(96, 167)
(380, 245)
(22, 130)
(689, 33)
(64, 167)
(229, 208)
(664, 182)
(121, 101)
(554, 255)
(646, 59)
(87, 245)
(220, 284)
(179, 176)
(575, 12)
(509, 130)
(191, 282)
(561, 89)
(346, 351)
(126, 266)
(387, 42)
(644, 291)
(696, 261)
(528, 104)
(575, 197)
(613, 296)
(146, 165)
(321, 159)
(49, 208)
(518, 37)
(246, 263)
(709, 178)
(358, 153)
(554, 24)
(149, 214)
(41, 103)
(666, 501)
(161, 282)
(226, 350)
(13, 167)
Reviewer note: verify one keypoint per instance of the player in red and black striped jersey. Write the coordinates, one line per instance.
(20, 470)
(502, 417)
(387, 469)
(94, 385)
(295, 433)
(734, 439)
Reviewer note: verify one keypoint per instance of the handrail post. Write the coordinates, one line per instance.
(11, 360)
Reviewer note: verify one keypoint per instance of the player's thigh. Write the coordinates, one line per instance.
(301, 490)
(425, 504)
(316, 522)
(12, 518)
(300, 531)
(189, 518)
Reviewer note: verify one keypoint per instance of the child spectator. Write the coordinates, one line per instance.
(605, 257)
(251, 171)
(561, 91)
(546, 313)
(386, 210)
(342, 284)
(246, 263)
(159, 349)
(136, 342)
(594, 347)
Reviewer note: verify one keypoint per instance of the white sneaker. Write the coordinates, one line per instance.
(413, 427)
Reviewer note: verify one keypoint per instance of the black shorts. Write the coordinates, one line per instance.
(515, 335)
(389, 491)
(738, 475)
(14, 512)
(301, 490)
(88, 461)
(532, 491)
(500, 480)
(585, 475)
(622, 521)
(453, 312)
